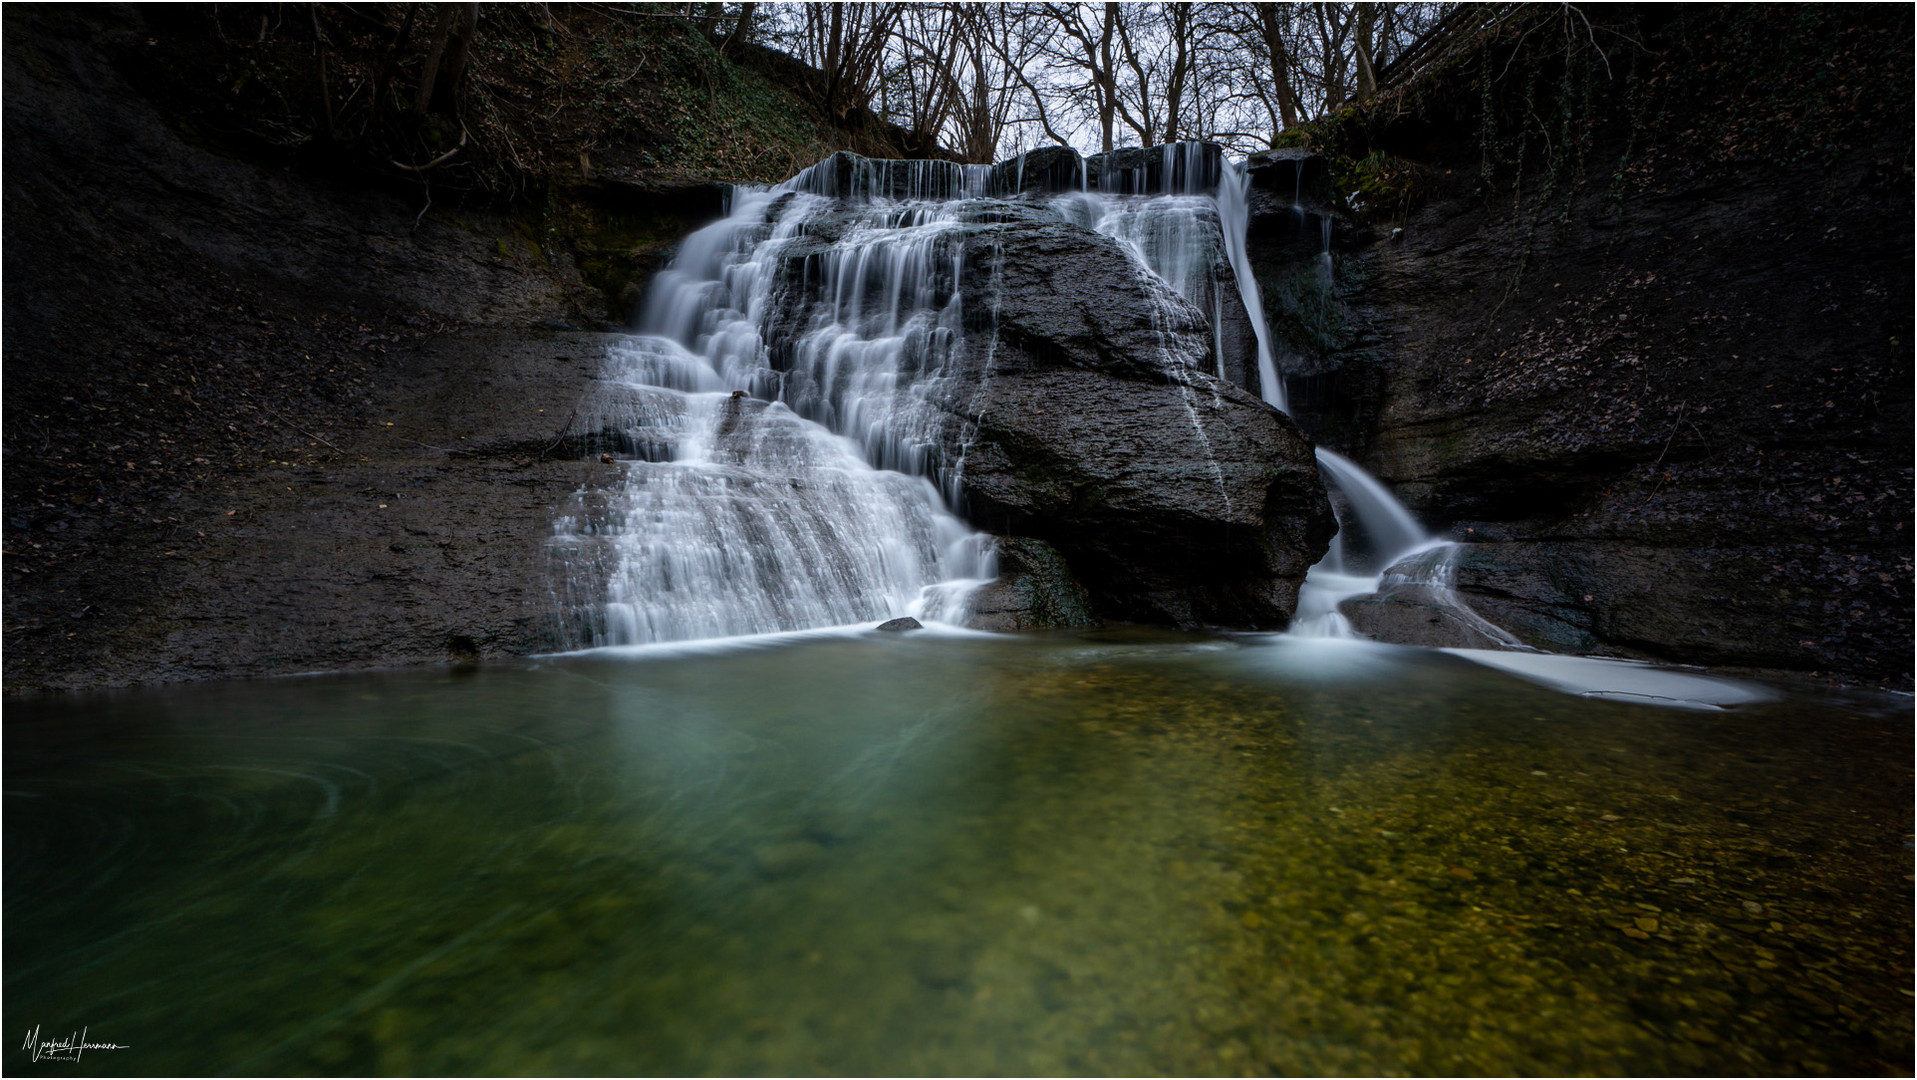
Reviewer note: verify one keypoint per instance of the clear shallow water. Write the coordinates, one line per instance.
(1115, 853)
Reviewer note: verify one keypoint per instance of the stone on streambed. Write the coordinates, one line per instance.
(900, 625)
(1415, 615)
(787, 859)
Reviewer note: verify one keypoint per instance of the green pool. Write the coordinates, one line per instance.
(1110, 853)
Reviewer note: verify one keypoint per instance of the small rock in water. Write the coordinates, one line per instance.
(784, 860)
(906, 623)
(941, 965)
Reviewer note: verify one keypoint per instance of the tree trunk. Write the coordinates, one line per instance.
(452, 70)
(385, 75)
(319, 63)
(1105, 79)
(741, 29)
(429, 74)
(1367, 77)
(1178, 22)
(834, 46)
(1272, 30)
(446, 61)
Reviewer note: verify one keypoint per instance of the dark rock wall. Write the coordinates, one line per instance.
(257, 423)
(1677, 421)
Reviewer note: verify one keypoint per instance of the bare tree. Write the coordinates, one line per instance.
(848, 43)
(1084, 50)
(986, 79)
(446, 59)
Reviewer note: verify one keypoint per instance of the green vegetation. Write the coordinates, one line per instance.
(548, 94)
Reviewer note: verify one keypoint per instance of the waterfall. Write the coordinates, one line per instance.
(1234, 218)
(759, 497)
(1361, 502)
(784, 463)
(1392, 530)
(1186, 221)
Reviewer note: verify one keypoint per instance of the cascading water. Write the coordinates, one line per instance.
(1234, 219)
(778, 400)
(1184, 214)
(1360, 501)
(772, 499)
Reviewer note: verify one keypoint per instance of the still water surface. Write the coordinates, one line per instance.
(1115, 853)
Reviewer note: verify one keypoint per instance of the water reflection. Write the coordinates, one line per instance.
(1110, 853)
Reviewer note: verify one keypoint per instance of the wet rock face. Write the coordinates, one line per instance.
(1176, 497)
(1157, 170)
(311, 430)
(1045, 170)
(1300, 175)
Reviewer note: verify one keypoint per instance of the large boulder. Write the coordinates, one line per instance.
(1078, 409)
(1175, 496)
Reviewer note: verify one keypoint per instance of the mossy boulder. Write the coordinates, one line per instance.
(1035, 590)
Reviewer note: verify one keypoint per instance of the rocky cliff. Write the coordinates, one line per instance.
(258, 422)
(1665, 390)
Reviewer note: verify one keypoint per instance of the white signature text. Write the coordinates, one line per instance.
(67, 1049)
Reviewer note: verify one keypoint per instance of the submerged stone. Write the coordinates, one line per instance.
(900, 624)
(787, 859)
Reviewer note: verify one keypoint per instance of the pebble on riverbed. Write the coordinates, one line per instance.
(787, 859)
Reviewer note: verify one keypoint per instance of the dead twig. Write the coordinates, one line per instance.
(567, 426)
(440, 160)
(288, 422)
(1675, 428)
(441, 449)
